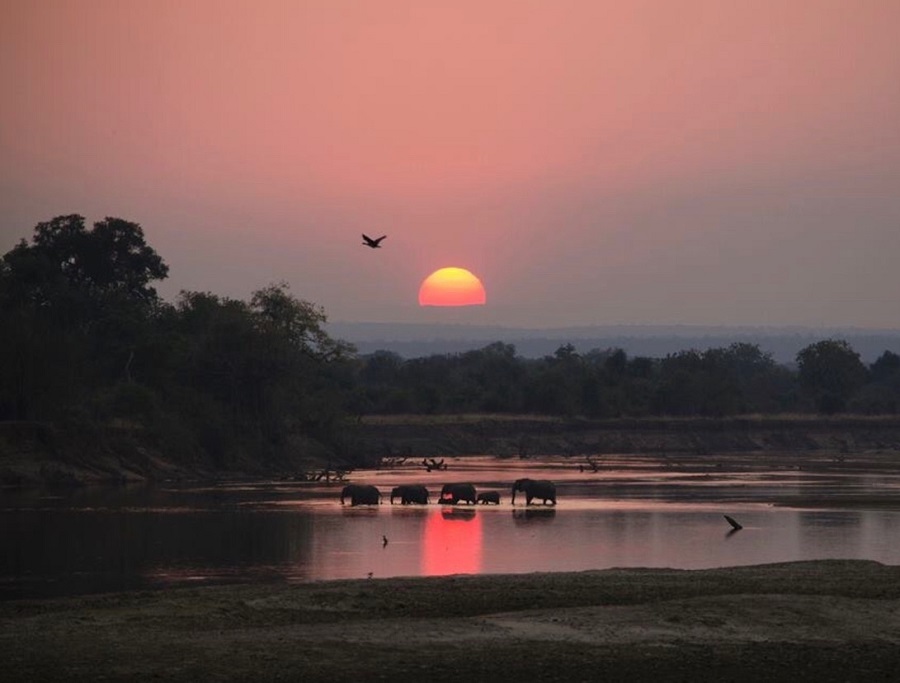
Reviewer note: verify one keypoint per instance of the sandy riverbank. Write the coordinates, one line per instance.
(815, 621)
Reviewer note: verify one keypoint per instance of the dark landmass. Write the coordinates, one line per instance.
(806, 621)
(102, 381)
(38, 454)
(523, 436)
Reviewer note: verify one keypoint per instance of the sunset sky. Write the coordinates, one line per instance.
(592, 162)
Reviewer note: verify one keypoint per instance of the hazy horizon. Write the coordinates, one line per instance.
(416, 340)
(593, 163)
(635, 327)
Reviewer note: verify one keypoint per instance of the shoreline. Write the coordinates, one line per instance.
(824, 620)
(524, 435)
(38, 454)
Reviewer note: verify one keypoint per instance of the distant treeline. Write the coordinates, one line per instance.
(829, 377)
(86, 342)
(783, 346)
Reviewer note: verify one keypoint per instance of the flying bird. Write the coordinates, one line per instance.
(734, 525)
(374, 244)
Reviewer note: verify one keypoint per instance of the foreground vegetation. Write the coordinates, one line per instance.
(92, 360)
(809, 621)
(90, 349)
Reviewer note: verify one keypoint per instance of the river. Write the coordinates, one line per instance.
(633, 511)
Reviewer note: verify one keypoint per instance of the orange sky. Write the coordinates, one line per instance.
(592, 162)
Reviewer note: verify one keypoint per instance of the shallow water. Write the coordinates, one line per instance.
(635, 511)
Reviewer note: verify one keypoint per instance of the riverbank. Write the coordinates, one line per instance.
(70, 455)
(41, 454)
(809, 621)
(417, 435)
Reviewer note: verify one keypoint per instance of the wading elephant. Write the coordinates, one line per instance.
(361, 494)
(410, 493)
(453, 493)
(487, 497)
(535, 488)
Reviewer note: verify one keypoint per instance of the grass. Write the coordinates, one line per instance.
(823, 621)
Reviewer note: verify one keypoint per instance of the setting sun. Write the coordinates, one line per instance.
(452, 287)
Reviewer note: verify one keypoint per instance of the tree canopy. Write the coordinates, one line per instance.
(64, 257)
(831, 371)
(87, 340)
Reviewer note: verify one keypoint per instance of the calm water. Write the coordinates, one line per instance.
(637, 511)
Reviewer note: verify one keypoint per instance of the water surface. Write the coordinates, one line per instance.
(635, 511)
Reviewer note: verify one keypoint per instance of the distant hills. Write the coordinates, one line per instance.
(412, 340)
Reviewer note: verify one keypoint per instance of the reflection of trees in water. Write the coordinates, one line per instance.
(521, 515)
(124, 549)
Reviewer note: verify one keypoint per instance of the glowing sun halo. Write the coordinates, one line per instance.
(451, 287)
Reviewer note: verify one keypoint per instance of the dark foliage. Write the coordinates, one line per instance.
(86, 340)
(738, 379)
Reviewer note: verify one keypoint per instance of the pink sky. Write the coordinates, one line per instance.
(593, 162)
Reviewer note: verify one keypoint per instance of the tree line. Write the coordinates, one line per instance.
(87, 342)
(829, 377)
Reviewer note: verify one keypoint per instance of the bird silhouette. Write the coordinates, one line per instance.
(374, 244)
(734, 525)
(384, 541)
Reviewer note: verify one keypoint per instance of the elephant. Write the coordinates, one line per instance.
(453, 493)
(489, 497)
(535, 488)
(361, 494)
(410, 493)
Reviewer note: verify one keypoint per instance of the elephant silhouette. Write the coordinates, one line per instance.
(361, 494)
(409, 494)
(453, 493)
(535, 488)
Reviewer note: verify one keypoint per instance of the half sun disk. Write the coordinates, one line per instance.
(452, 287)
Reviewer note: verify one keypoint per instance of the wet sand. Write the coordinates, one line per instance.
(813, 621)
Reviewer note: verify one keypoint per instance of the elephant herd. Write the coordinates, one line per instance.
(451, 494)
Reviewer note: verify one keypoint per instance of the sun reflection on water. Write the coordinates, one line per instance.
(452, 542)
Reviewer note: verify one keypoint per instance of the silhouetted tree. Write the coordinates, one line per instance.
(881, 395)
(831, 371)
(87, 340)
(885, 367)
(81, 300)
